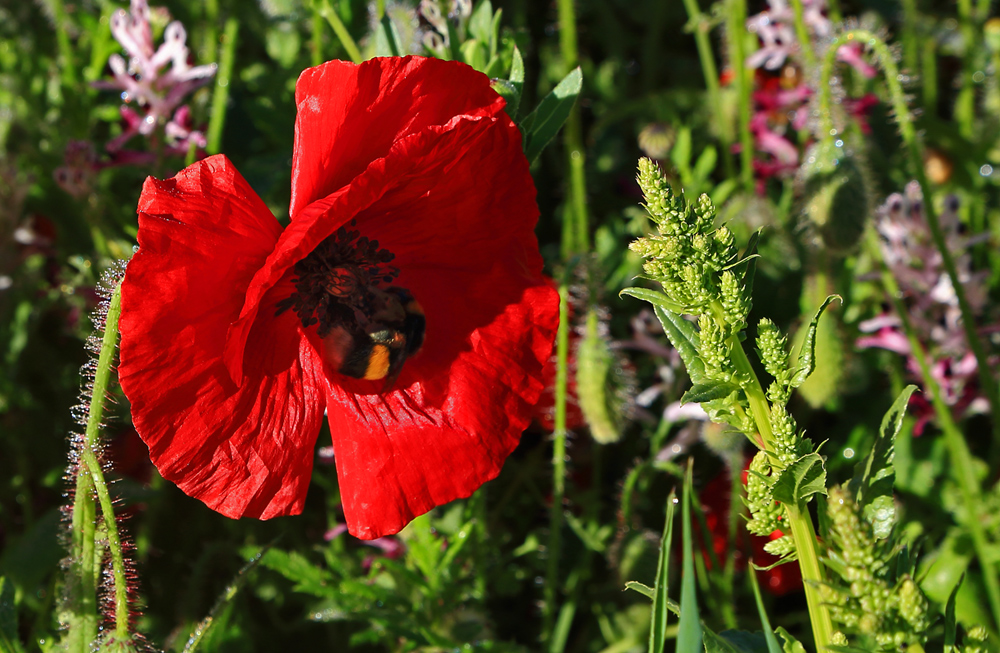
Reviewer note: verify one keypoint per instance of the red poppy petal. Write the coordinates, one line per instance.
(435, 149)
(244, 450)
(350, 115)
(400, 454)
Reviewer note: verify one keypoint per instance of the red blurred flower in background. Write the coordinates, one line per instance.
(715, 500)
(228, 387)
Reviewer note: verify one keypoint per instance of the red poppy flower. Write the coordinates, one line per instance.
(408, 183)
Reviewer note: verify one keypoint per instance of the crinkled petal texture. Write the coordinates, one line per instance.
(245, 450)
(420, 153)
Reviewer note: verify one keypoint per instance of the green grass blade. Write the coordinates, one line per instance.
(661, 603)
(689, 634)
(765, 623)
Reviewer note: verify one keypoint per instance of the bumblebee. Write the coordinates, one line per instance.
(378, 349)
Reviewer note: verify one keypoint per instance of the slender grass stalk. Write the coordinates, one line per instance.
(316, 38)
(965, 103)
(222, 82)
(579, 233)
(928, 73)
(915, 151)
(736, 35)
(700, 26)
(802, 34)
(210, 14)
(67, 66)
(911, 42)
(558, 468)
(963, 469)
(327, 11)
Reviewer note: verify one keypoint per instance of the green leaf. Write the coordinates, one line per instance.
(950, 623)
(481, 22)
(874, 478)
(746, 642)
(709, 391)
(386, 38)
(684, 337)
(510, 89)
(541, 125)
(308, 578)
(658, 622)
(807, 355)
(222, 608)
(791, 645)
(654, 297)
(800, 480)
(9, 642)
(689, 637)
(769, 638)
(748, 265)
(680, 154)
(705, 164)
(713, 643)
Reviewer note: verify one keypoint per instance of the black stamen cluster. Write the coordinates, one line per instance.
(334, 282)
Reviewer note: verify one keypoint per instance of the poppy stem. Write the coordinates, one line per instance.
(558, 468)
(576, 236)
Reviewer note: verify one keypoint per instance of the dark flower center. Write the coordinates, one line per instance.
(344, 286)
(337, 283)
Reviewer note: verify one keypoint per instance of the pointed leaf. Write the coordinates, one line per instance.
(645, 590)
(709, 391)
(386, 38)
(654, 297)
(873, 480)
(542, 124)
(481, 21)
(510, 89)
(658, 623)
(684, 337)
(689, 637)
(807, 355)
(748, 264)
(950, 623)
(747, 642)
(800, 480)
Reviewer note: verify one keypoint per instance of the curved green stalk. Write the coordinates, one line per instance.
(332, 17)
(915, 151)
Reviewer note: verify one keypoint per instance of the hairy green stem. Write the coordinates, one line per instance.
(558, 467)
(799, 519)
(915, 151)
(700, 24)
(223, 78)
(736, 34)
(963, 469)
(330, 14)
(90, 479)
